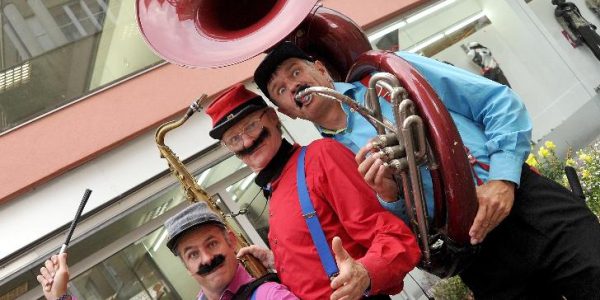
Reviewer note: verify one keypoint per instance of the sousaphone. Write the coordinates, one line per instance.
(219, 33)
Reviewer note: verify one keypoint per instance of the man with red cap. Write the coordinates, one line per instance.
(317, 201)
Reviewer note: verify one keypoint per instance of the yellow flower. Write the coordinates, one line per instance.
(585, 173)
(531, 160)
(570, 162)
(543, 152)
(550, 145)
(585, 157)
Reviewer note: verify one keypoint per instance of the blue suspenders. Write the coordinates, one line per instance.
(312, 220)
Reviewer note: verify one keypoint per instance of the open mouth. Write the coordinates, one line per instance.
(302, 101)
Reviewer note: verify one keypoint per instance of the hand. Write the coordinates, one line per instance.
(496, 198)
(377, 176)
(263, 254)
(353, 279)
(54, 276)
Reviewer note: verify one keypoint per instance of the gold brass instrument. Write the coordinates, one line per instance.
(200, 33)
(193, 192)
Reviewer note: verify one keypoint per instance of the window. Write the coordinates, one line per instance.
(63, 50)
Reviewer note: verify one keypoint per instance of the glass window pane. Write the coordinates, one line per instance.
(252, 203)
(136, 272)
(72, 48)
(432, 28)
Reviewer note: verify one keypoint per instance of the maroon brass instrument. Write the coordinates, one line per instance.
(217, 33)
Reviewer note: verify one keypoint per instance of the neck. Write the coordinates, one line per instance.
(212, 295)
(273, 169)
(335, 119)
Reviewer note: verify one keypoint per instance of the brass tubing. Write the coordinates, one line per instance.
(394, 152)
(416, 186)
(384, 140)
(193, 191)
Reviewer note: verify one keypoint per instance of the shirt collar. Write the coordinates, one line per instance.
(274, 167)
(348, 90)
(240, 278)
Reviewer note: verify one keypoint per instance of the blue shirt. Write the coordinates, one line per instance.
(491, 120)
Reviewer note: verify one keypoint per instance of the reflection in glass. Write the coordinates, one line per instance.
(252, 203)
(432, 28)
(135, 272)
(55, 51)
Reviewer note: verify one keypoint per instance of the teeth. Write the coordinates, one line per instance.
(307, 98)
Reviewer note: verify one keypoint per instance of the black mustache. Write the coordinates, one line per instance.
(300, 89)
(264, 134)
(217, 261)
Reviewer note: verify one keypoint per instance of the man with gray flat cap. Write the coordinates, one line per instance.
(199, 237)
(207, 249)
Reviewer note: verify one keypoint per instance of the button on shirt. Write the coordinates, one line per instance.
(266, 291)
(490, 118)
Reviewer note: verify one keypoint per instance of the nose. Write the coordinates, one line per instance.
(205, 258)
(247, 140)
(295, 89)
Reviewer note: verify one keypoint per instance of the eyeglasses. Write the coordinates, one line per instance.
(252, 129)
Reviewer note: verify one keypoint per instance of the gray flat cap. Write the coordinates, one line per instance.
(189, 219)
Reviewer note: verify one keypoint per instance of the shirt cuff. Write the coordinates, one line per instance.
(375, 268)
(398, 207)
(505, 166)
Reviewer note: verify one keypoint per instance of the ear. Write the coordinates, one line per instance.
(321, 67)
(232, 239)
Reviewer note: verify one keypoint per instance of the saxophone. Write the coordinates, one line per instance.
(193, 192)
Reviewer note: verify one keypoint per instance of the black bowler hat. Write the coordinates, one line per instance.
(278, 55)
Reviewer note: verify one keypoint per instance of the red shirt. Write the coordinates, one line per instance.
(347, 207)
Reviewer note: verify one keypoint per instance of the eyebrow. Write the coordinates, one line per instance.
(291, 66)
(209, 237)
(242, 126)
(185, 250)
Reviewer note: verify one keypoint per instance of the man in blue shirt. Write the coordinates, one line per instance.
(521, 215)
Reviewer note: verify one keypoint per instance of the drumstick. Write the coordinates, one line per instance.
(86, 195)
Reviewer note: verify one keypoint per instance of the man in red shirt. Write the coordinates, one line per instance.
(378, 249)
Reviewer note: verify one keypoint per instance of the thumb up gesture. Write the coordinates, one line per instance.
(353, 279)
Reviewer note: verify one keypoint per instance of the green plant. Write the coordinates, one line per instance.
(585, 161)
(588, 167)
(451, 289)
(547, 162)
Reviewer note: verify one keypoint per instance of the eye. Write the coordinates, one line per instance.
(192, 255)
(296, 72)
(212, 244)
(250, 127)
(234, 140)
(280, 91)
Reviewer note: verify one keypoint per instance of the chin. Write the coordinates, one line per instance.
(257, 165)
(259, 159)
